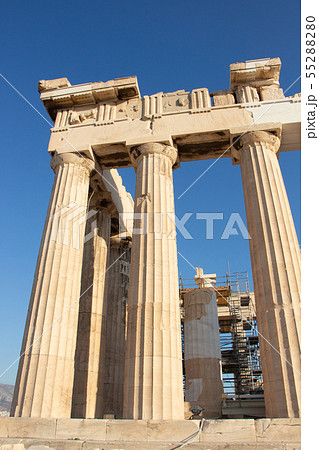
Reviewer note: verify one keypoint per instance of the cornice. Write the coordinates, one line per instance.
(56, 94)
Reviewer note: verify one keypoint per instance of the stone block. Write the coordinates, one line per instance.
(255, 72)
(12, 447)
(233, 434)
(271, 93)
(278, 430)
(224, 97)
(136, 445)
(230, 430)
(43, 444)
(81, 429)
(3, 427)
(40, 447)
(7, 441)
(126, 430)
(171, 430)
(45, 85)
(27, 427)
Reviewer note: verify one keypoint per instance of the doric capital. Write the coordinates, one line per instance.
(71, 158)
(269, 140)
(151, 148)
(252, 138)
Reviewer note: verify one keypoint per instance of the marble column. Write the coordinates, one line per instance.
(153, 383)
(45, 376)
(275, 259)
(202, 356)
(116, 298)
(90, 349)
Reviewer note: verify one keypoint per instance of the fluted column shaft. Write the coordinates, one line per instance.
(116, 299)
(153, 387)
(90, 349)
(45, 375)
(202, 356)
(275, 258)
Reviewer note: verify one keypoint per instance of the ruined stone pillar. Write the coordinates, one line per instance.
(90, 350)
(153, 384)
(116, 298)
(275, 259)
(202, 356)
(45, 376)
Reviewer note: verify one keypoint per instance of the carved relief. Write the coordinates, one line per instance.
(176, 101)
(182, 101)
(134, 109)
(109, 113)
(78, 117)
(121, 111)
(74, 118)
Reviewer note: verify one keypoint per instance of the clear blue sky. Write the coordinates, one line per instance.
(169, 45)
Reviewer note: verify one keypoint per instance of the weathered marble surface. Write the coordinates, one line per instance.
(153, 380)
(275, 258)
(235, 434)
(202, 355)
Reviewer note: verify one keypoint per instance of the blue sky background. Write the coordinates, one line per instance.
(169, 45)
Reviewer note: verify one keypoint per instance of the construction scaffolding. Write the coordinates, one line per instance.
(241, 368)
(239, 336)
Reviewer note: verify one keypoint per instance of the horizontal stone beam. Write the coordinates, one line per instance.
(233, 433)
(286, 111)
(197, 136)
(107, 119)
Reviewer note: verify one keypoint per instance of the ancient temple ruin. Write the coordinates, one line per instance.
(103, 332)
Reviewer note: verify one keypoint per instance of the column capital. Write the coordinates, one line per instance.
(252, 138)
(60, 159)
(152, 148)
